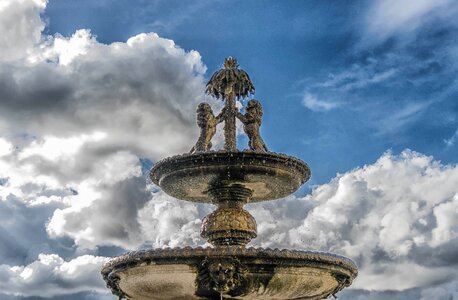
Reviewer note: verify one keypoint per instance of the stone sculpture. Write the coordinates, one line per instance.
(207, 123)
(229, 84)
(229, 179)
(251, 122)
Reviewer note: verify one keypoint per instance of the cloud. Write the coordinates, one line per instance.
(394, 217)
(58, 86)
(397, 88)
(312, 103)
(21, 28)
(389, 216)
(450, 142)
(77, 115)
(401, 117)
(444, 291)
(387, 18)
(5, 147)
(50, 276)
(168, 222)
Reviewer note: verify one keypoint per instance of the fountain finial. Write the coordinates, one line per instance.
(229, 84)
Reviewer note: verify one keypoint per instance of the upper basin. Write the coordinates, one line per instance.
(193, 177)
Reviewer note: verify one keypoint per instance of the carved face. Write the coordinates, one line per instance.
(204, 112)
(223, 276)
(204, 108)
(253, 106)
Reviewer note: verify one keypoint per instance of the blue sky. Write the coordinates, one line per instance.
(93, 92)
(390, 88)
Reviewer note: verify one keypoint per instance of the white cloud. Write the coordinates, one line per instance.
(80, 114)
(53, 148)
(387, 18)
(139, 92)
(20, 28)
(451, 140)
(50, 276)
(312, 103)
(77, 114)
(5, 147)
(392, 217)
(400, 117)
(167, 222)
(361, 75)
(64, 50)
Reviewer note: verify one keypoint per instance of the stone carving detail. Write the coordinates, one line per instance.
(229, 226)
(251, 122)
(207, 123)
(229, 84)
(343, 282)
(229, 179)
(222, 275)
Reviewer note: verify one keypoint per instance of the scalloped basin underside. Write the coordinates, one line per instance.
(269, 274)
(268, 175)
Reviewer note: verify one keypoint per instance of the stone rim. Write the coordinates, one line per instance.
(245, 162)
(342, 266)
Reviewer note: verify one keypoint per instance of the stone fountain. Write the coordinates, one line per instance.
(229, 179)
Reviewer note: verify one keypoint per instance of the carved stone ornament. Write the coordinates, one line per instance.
(229, 226)
(228, 271)
(207, 123)
(221, 275)
(229, 84)
(229, 179)
(251, 122)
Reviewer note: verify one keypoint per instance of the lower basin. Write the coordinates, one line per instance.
(228, 272)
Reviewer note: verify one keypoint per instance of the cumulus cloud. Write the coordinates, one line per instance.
(396, 218)
(58, 85)
(51, 275)
(168, 222)
(76, 116)
(21, 28)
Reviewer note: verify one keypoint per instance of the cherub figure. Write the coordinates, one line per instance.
(251, 123)
(207, 123)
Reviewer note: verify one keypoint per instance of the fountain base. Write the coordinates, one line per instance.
(228, 272)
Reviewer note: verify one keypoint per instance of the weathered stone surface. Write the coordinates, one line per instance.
(192, 176)
(250, 273)
(229, 226)
(229, 179)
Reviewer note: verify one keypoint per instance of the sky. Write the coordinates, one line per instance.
(93, 92)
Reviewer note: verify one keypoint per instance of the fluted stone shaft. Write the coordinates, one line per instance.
(230, 143)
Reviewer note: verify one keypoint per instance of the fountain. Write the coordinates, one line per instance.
(229, 179)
